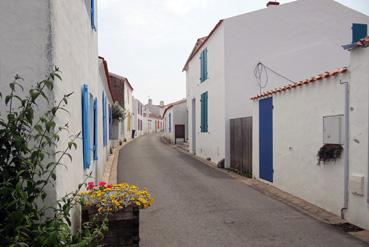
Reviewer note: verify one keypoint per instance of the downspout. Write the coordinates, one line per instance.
(367, 177)
(346, 150)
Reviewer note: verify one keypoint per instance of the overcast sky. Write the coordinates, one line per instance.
(148, 41)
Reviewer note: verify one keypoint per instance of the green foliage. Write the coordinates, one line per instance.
(118, 112)
(29, 157)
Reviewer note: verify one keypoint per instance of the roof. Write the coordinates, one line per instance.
(107, 75)
(121, 78)
(154, 116)
(199, 44)
(364, 42)
(301, 83)
(173, 104)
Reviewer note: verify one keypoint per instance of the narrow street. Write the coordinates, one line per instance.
(196, 205)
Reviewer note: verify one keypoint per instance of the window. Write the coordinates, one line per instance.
(170, 123)
(110, 122)
(105, 139)
(204, 112)
(95, 130)
(85, 127)
(333, 129)
(204, 65)
(93, 15)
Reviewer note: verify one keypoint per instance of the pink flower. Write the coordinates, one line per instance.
(90, 185)
(102, 183)
(110, 186)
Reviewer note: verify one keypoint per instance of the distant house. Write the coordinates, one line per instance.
(138, 118)
(153, 117)
(255, 52)
(122, 92)
(63, 34)
(175, 121)
(322, 114)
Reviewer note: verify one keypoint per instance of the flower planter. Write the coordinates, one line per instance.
(123, 226)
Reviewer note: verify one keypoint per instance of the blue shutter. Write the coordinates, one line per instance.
(202, 67)
(93, 15)
(205, 63)
(204, 112)
(95, 130)
(110, 122)
(85, 127)
(359, 31)
(105, 141)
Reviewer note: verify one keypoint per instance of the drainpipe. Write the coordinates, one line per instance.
(346, 151)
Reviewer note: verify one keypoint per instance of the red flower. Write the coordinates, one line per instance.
(90, 185)
(102, 183)
(110, 186)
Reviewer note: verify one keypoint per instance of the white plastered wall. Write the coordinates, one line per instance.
(358, 208)
(210, 144)
(298, 40)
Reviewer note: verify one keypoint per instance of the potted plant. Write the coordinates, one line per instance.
(120, 204)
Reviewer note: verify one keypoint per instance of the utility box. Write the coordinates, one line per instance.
(333, 132)
(356, 185)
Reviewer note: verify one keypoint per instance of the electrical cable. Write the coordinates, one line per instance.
(260, 69)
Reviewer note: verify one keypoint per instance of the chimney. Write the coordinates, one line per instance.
(150, 101)
(161, 103)
(272, 3)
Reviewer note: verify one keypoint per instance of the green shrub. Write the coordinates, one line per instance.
(29, 156)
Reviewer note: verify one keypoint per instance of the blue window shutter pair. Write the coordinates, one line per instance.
(204, 112)
(359, 31)
(95, 130)
(204, 65)
(110, 122)
(85, 127)
(93, 15)
(105, 139)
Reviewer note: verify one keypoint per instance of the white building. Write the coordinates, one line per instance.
(138, 118)
(122, 92)
(296, 40)
(291, 125)
(38, 35)
(175, 121)
(153, 117)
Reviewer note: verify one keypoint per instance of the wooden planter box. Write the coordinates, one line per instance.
(123, 226)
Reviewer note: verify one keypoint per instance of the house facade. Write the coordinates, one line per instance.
(329, 112)
(64, 34)
(138, 118)
(175, 122)
(225, 69)
(153, 117)
(122, 91)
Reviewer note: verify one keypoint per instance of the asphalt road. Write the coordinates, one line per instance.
(196, 205)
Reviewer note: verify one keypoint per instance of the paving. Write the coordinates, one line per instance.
(197, 205)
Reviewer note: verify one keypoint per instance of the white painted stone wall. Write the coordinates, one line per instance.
(128, 104)
(209, 144)
(358, 209)
(298, 40)
(297, 138)
(178, 117)
(137, 117)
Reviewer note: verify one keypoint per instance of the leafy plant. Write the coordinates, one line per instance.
(118, 112)
(29, 157)
(330, 152)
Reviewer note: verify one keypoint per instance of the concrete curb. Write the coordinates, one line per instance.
(284, 197)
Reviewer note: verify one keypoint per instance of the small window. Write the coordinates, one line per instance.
(204, 65)
(333, 129)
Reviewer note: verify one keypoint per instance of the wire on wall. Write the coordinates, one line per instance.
(261, 70)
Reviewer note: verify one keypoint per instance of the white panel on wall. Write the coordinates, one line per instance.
(333, 129)
(357, 185)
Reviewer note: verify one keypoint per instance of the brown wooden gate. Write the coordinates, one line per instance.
(241, 145)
